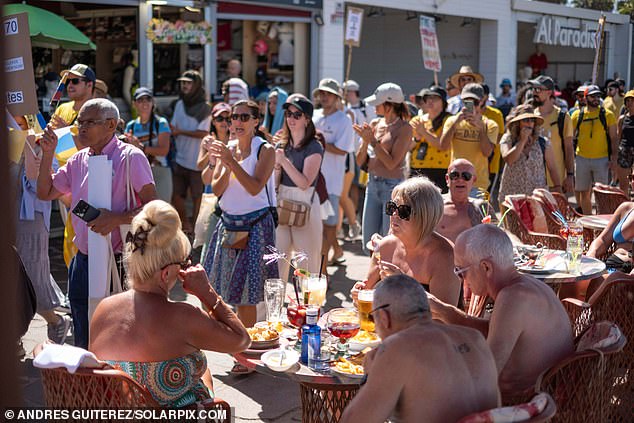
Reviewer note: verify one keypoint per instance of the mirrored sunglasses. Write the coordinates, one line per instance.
(455, 175)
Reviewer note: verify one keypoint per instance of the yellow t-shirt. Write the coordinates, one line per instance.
(496, 116)
(466, 145)
(66, 112)
(591, 141)
(433, 157)
(551, 131)
(613, 104)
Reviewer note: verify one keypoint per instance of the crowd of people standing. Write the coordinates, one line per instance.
(290, 173)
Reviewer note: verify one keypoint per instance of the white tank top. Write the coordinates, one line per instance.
(236, 199)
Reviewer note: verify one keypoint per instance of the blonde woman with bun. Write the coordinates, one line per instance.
(157, 341)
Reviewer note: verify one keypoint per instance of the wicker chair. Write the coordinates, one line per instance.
(608, 198)
(547, 413)
(613, 301)
(564, 206)
(104, 388)
(514, 225)
(553, 224)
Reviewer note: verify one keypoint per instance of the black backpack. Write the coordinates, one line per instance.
(603, 121)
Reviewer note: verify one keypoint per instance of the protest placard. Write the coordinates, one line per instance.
(429, 42)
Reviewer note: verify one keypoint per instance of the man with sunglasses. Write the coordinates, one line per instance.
(80, 84)
(529, 330)
(472, 136)
(97, 122)
(190, 123)
(596, 146)
(558, 128)
(461, 212)
(423, 371)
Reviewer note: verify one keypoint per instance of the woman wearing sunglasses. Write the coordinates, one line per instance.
(151, 133)
(297, 162)
(219, 131)
(243, 182)
(382, 153)
(413, 246)
(527, 155)
(156, 341)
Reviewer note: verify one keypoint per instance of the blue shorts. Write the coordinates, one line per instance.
(333, 219)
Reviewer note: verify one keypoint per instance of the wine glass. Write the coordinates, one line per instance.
(344, 324)
(296, 314)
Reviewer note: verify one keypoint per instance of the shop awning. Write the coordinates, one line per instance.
(50, 30)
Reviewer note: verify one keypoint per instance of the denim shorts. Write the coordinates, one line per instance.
(333, 219)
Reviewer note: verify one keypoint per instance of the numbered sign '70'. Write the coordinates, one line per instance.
(10, 26)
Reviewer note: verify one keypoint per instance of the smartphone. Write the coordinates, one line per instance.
(85, 211)
(468, 105)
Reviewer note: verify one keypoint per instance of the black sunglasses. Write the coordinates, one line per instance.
(404, 210)
(453, 175)
(221, 119)
(76, 81)
(243, 117)
(294, 115)
(183, 264)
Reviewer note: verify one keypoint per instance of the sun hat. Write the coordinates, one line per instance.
(190, 76)
(506, 81)
(524, 112)
(629, 94)
(351, 85)
(301, 103)
(80, 70)
(220, 108)
(100, 85)
(465, 71)
(328, 85)
(142, 92)
(473, 91)
(386, 92)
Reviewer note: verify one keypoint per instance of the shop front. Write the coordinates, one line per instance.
(565, 39)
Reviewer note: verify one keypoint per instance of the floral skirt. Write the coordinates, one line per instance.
(239, 275)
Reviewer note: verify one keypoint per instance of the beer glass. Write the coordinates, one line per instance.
(364, 303)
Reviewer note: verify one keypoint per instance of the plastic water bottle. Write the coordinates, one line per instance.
(311, 333)
(574, 248)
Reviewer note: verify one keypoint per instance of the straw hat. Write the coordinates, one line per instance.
(527, 114)
(465, 71)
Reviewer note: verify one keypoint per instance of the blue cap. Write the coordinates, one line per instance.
(506, 81)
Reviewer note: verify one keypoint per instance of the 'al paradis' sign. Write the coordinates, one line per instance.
(160, 31)
(550, 31)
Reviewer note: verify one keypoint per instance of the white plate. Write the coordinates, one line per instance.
(356, 346)
(349, 375)
(536, 269)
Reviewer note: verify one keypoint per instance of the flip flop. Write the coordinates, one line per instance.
(239, 369)
(337, 261)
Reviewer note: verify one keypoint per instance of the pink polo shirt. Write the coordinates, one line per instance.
(73, 178)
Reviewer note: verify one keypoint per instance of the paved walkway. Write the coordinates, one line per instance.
(255, 397)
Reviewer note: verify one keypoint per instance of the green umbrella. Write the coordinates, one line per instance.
(49, 30)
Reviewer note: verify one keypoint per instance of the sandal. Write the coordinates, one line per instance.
(337, 261)
(239, 369)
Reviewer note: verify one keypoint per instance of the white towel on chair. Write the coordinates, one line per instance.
(53, 356)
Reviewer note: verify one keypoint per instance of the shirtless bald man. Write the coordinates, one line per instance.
(529, 330)
(461, 212)
(422, 371)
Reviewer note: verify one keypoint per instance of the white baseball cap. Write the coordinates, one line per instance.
(351, 85)
(386, 92)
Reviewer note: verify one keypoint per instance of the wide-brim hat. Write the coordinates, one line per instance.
(538, 119)
(465, 71)
(328, 85)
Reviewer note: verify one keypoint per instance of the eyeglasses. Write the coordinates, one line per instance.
(460, 271)
(220, 119)
(243, 117)
(89, 123)
(294, 115)
(453, 175)
(183, 264)
(378, 308)
(76, 81)
(404, 210)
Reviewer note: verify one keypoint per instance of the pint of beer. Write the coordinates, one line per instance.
(364, 303)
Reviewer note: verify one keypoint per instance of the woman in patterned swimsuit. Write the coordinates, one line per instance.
(156, 341)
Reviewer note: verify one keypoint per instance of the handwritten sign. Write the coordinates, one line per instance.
(429, 42)
(353, 27)
(20, 94)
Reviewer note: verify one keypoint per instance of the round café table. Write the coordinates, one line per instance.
(323, 396)
(590, 268)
